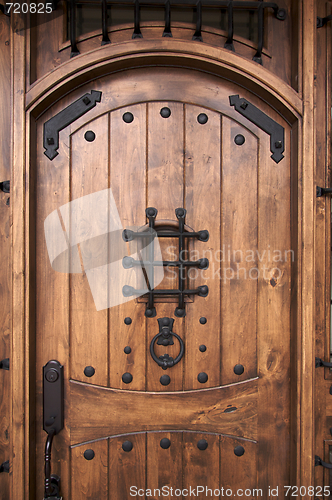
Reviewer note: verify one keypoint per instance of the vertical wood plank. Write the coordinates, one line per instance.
(274, 315)
(127, 468)
(5, 250)
(19, 368)
(88, 327)
(308, 241)
(89, 476)
(202, 201)
(238, 472)
(201, 467)
(239, 244)
(165, 192)
(323, 243)
(52, 300)
(164, 466)
(128, 185)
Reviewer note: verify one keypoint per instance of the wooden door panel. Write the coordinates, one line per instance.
(88, 327)
(163, 464)
(219, 169)
(231, 410)
(202, 201)
(127, 180)
(89, 470)
(240, 240)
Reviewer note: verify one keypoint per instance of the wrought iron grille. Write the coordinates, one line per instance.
(198, 7)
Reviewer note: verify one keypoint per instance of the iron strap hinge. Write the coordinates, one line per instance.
(4, 467)
(319, 362)
(4, 364)
(320, 191)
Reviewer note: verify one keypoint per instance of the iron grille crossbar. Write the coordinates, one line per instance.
(197, 5)
(148, 265)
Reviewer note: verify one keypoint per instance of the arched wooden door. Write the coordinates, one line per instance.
(218, 419)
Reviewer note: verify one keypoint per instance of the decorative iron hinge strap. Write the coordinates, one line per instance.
(67, 116)
(264, 122)
(319, 461)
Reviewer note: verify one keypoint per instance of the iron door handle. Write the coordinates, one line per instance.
(53, 421)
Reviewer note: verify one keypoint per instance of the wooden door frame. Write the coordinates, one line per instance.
(297, 109)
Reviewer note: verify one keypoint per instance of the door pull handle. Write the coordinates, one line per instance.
(53, 422)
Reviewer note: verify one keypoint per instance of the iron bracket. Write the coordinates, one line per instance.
(67, 116)
(321, 21)
(4, 364)
(4, 467)
(320, 191)
(319, 461)
(264, 122)
(5, 186)
(4, 10)
(319, 362)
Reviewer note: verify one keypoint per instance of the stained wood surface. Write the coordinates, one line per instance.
(89, 477)
(308, 241)
(323, 406)
(6, 257)
(44, 92)
(146, 466)
(169, 163)
(203, 175)
(202, 410)
(239, 267)
(277, 55)
(128, 183)
(88, 327)
(127, 468)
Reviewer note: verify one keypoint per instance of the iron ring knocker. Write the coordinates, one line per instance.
(166, 361)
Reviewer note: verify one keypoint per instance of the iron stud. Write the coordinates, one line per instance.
(202, 118)
(165, 443)
(165, 112)
(165, 380)
(89, 136)
(202, 378)
(127, 446)
(127, 349)
(89, 454)
(127, 378)
(239, 451)
(128, 117)
(89, 371)
(238, 369)
(239, 139)
(202, 444)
